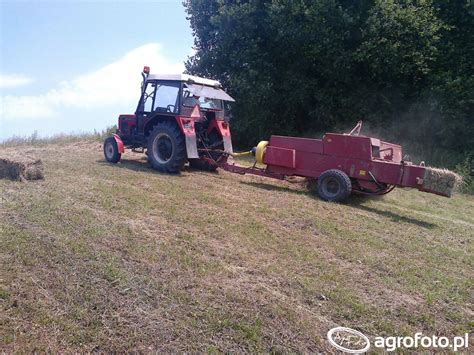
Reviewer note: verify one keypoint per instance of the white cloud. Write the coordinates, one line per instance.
(116, 83)
(9, 80)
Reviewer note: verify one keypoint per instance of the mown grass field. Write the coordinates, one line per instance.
(101, 257)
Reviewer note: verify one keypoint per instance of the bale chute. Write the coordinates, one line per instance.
(441, 181)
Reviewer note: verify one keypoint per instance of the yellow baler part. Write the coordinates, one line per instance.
(260, 153)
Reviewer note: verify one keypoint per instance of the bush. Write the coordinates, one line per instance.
(466, 170)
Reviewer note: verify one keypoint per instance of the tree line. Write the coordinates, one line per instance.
(299, 67)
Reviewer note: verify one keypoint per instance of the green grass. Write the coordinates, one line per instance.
(101, 257)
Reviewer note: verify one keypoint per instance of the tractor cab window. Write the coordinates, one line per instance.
(190, 100)
(166, 99)
(146, 102)
(213, 104)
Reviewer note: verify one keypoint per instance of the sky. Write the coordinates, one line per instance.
(74, 66)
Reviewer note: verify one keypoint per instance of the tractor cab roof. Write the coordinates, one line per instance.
(196, 85)
(184, 78)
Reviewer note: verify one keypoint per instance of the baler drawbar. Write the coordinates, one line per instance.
(344, 163)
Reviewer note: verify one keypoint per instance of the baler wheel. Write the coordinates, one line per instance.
(166, 148)
(111, 152)
(334, 185)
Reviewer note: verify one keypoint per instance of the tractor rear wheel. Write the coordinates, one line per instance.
(111, 152)
(166, 147)
(334, 185)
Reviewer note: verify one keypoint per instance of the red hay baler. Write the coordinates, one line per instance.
(345, 163)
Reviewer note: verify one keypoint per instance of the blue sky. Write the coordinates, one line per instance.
(73, 66)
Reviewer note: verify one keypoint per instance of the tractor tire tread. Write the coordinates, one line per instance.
(179, 155)
(116, 156)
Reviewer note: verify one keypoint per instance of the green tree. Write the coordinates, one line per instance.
(301, 67)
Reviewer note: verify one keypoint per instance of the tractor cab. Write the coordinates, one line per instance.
(194, 108)
(175, 93)
(172, 95)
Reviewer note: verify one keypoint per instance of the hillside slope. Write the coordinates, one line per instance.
(120, 257)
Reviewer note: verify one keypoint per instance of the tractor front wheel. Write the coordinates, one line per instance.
(166, 148)
(334, 185)
(111, 152)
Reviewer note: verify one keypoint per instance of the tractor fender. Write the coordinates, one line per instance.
(223, 128)
(119, 142)
(187, 127)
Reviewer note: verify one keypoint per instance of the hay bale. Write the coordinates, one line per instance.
(20, 167)
(442, 181)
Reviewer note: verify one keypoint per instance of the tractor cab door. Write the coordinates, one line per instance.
(167, 97)
(145, 105)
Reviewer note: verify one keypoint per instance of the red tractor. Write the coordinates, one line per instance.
(179, 118)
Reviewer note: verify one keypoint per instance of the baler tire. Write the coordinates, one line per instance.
(340, 184)
(173, 144)
(202, 164)
(111, 152)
